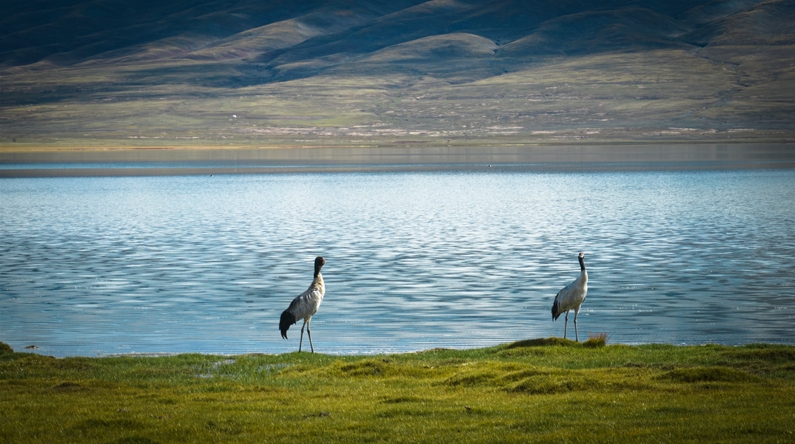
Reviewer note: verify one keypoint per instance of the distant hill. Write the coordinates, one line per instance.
(308, 72)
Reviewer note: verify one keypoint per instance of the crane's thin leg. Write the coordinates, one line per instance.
(309, 333)
(564, 325)
(576, 334)
(302, 336)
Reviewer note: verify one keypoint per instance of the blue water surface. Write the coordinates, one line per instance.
(415, 260)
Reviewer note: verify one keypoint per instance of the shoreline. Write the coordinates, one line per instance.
(47, 351)
(542, 158)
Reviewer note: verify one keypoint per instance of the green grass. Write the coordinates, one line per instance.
(542, 390)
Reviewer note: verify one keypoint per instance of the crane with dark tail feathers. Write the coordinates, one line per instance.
(571, 298)
(304, 306)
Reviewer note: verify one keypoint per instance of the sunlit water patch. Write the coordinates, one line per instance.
(97, 266)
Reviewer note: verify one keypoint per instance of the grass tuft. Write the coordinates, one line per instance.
(67, 387)
(778, 355)
(92, 424)
(543, 342)
(135, 440)
(365, 368)
(549, 384)
(708, 374)
(401, 400)
(472, 379)
(596, 340)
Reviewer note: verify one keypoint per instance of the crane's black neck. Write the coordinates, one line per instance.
(582, 264)
(319, 262)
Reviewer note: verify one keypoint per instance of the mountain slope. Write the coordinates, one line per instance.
(304, 72)
(771, 22)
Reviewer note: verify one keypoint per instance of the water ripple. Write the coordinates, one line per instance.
(415, 260)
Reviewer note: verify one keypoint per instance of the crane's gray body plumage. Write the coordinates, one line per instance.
(571, 298)
(304, 306)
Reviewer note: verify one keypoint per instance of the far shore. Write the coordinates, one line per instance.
(165, 160)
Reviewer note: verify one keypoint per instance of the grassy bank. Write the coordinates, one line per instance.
(545, 390)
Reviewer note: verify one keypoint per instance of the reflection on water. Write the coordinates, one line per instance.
(643, 157)
(414, 260)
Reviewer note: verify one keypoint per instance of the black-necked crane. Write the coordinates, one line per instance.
(571, 297)
(305, 305)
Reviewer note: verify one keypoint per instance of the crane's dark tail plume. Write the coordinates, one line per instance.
(555, 312)
(285, 322)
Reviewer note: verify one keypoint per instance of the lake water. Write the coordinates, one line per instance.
(415, 260)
